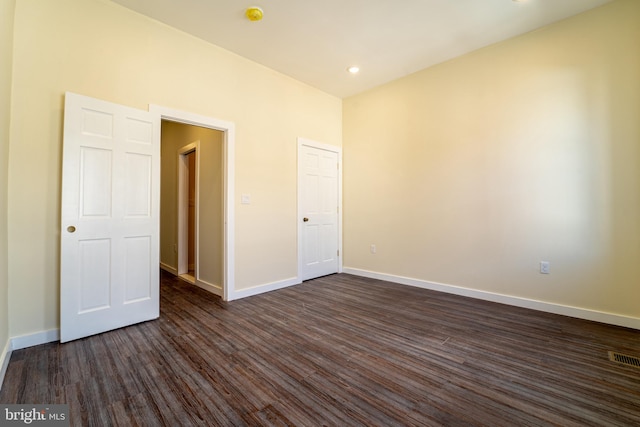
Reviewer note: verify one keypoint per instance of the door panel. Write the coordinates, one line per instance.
(319, 194)
(137, 278)
(109, 262)
(95, 182)
(95, 286)
(138, 185)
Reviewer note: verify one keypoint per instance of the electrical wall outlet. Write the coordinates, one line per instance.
(373, 249)
(544, 267)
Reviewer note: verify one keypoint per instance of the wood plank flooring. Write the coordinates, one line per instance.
(337, 351)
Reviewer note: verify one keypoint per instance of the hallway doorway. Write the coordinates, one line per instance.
(226, 170)
(192, 204)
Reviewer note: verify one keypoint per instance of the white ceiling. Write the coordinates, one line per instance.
(315, 41)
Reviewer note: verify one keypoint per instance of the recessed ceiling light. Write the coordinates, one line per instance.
(353, 69)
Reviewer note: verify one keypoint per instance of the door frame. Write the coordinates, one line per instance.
(228, 128)
(183, 211)
(304, 142)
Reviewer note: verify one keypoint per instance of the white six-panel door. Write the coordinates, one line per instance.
(318, 178)
(109, 262)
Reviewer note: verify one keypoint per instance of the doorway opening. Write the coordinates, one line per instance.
(213, 219)
(192, 204)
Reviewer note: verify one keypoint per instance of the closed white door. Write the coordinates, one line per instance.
(318, 180)
(109, 258)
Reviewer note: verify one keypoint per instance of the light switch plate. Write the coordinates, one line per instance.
(245, 199)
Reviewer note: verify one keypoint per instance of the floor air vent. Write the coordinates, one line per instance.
(624, 359)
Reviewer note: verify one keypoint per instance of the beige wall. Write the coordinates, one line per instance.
(100, 49)
(211, 219)
(6, 61)
(471, 172)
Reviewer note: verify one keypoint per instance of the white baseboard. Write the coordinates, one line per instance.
(4, 361)
(268, 287)
(24, 341)
(169, 269)
(210, 287)
(580, 313)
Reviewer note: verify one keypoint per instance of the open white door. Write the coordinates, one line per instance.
(109, 255)
(318, 186)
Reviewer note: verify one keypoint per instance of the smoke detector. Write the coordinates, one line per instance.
(254, 13)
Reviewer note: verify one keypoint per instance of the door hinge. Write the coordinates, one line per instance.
(338, 252)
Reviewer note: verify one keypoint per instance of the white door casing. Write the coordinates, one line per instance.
(183, 205)
(228, 128)
(109, 276)
(319, 196)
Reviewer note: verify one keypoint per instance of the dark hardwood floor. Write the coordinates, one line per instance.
(337, 351)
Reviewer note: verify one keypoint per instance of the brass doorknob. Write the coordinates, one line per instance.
(305, 219)
(71, 229)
